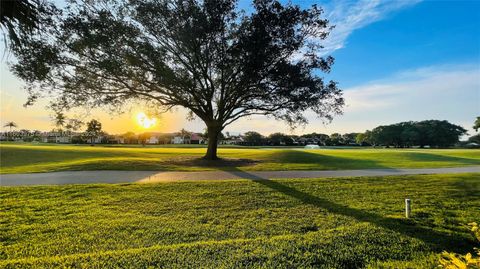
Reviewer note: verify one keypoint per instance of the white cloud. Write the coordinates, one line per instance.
(350, 15)
(437, 92)
(410, 86)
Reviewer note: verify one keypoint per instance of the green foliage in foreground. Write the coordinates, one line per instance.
(27, 158)
(310, 223)
(451, 260)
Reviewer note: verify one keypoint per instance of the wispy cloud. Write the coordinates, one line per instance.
(350, 15)
(415, 87)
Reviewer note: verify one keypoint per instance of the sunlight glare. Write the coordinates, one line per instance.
(145, 121)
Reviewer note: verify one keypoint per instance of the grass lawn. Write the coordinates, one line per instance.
(310, 223)
(27, 158)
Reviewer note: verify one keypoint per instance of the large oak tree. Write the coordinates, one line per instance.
(217, 61)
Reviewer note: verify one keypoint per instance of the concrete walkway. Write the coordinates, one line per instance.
(88, 177)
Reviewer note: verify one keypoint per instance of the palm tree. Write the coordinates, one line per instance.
(11, 125)
(59, 120)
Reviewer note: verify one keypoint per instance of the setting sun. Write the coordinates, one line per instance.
(145, 121)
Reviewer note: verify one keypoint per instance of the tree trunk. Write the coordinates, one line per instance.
(213, 134)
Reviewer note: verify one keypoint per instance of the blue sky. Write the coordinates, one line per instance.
(395, 60)
(413, 36)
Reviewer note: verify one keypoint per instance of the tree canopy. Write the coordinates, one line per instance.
(19, 18)
(277, 139)
(253, 138)
(476, 124)
(434, 133)
(218, 62)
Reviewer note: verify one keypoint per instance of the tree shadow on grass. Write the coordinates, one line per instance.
(324, 161)
(467, 190)
(200, 162)
(336, 162)
(436, 240)
(290, 158)
(432, 157)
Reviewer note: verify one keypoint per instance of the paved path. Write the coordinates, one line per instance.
(85, 177)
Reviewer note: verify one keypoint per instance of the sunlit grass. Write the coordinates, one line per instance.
(25, 158)
(330, 223)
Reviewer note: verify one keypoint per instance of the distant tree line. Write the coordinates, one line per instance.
(253, 138)
(65, 128)
(433, 133)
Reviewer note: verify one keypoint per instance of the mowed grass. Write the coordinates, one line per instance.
(27, 158)
(294, 223)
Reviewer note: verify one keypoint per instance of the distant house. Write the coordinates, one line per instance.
(64, 137)
(19, 136)
(56, 137)
(195, 138)
(153, 139)
(11, 136)
(233, 140)
(114, 139)
(170, 138)
(303, 141)
(308, 141)
(119, 139)
(295, 142)
(178, 140)
(165, 138)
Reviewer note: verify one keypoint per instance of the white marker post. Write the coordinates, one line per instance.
(408, 208)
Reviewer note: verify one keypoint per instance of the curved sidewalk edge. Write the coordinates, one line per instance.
(91, 177)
